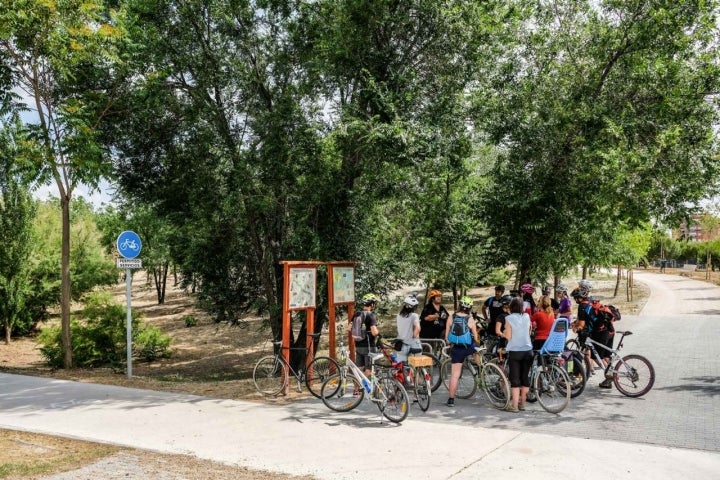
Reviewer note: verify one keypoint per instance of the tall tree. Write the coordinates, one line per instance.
(604, 113)
(265, 135)
(57, 54)
(16, 214)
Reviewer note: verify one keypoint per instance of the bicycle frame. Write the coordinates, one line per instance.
(614, 353)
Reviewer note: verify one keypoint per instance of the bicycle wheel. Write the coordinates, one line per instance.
(495, 385)
(552, 387)
(394, 404)
(341, 392)
(270, 375)
(466, 385)
(573, 344)
(435, 372)
(422, 388)
(634, 375)
(577, 372)
(317, 372)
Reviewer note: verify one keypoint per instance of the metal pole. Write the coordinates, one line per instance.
(128, 321)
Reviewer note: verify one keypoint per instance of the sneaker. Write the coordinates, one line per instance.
(511, 409)
(521, 408)
(450, 402)
(607, 383)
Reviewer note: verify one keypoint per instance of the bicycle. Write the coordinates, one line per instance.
(550, 384)
(346, 389)
(633, 375)
(414, 375)
(271, 373)
(490, 378)
(433, 348)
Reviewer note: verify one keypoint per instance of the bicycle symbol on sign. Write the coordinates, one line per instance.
(129, 244)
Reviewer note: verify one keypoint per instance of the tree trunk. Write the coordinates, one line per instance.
(65, 284)
(8, 332)
(617, 280)
(160, 275)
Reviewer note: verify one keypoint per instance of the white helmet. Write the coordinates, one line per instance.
(411, 301)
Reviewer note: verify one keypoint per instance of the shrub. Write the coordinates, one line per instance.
(100, 339)
(151, 344)
(190, 320)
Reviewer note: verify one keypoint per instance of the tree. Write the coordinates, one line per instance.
(604, 115)
(57, 54)
(91, 266)
(156, 233)
(16, 215)
(263, 135)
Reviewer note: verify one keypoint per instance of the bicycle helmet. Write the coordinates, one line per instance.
(579, 293)
(434, 293)
(527, 288)
(505, 300)
(369, 299)
(466, 303)
(561, 288)
(410, 301)
(585, 285)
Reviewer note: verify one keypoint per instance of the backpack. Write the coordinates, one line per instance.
(606, 313)
(460, 331)
(358, 331)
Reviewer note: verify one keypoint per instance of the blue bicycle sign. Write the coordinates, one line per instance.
(128, 244)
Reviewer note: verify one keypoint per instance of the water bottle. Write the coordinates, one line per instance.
(393, 357)
(570, 364)
(366, 385)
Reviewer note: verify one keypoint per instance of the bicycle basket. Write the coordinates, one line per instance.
(420, 361)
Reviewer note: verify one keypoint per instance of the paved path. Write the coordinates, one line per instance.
(670, 433)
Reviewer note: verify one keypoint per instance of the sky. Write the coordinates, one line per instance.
(98, 199)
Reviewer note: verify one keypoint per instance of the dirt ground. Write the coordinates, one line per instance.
(209, 359)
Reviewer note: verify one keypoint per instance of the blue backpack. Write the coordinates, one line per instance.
(460, 333)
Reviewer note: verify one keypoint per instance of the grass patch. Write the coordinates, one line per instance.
(26, 455)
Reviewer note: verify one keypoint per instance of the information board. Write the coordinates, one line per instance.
(302, 287)
(343, 284)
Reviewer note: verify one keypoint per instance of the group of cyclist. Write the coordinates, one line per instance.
(514, 324)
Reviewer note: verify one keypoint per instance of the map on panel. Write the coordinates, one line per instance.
(343, 284)
(302, 287)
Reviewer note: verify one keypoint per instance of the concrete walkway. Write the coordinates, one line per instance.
(306, 438)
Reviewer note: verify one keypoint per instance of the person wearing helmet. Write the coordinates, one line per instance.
(433, 316)
(408, 328)
(528, 301)
(462, 334)
(564, 303)
(589, 323)
(363, 347)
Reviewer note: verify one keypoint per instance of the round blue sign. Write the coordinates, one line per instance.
(128, 244)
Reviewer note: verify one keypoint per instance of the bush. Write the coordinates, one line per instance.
(190, 320)
(100, 339)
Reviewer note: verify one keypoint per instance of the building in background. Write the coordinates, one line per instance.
(702, 227)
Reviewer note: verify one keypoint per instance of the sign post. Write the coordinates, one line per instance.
(129, 246)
